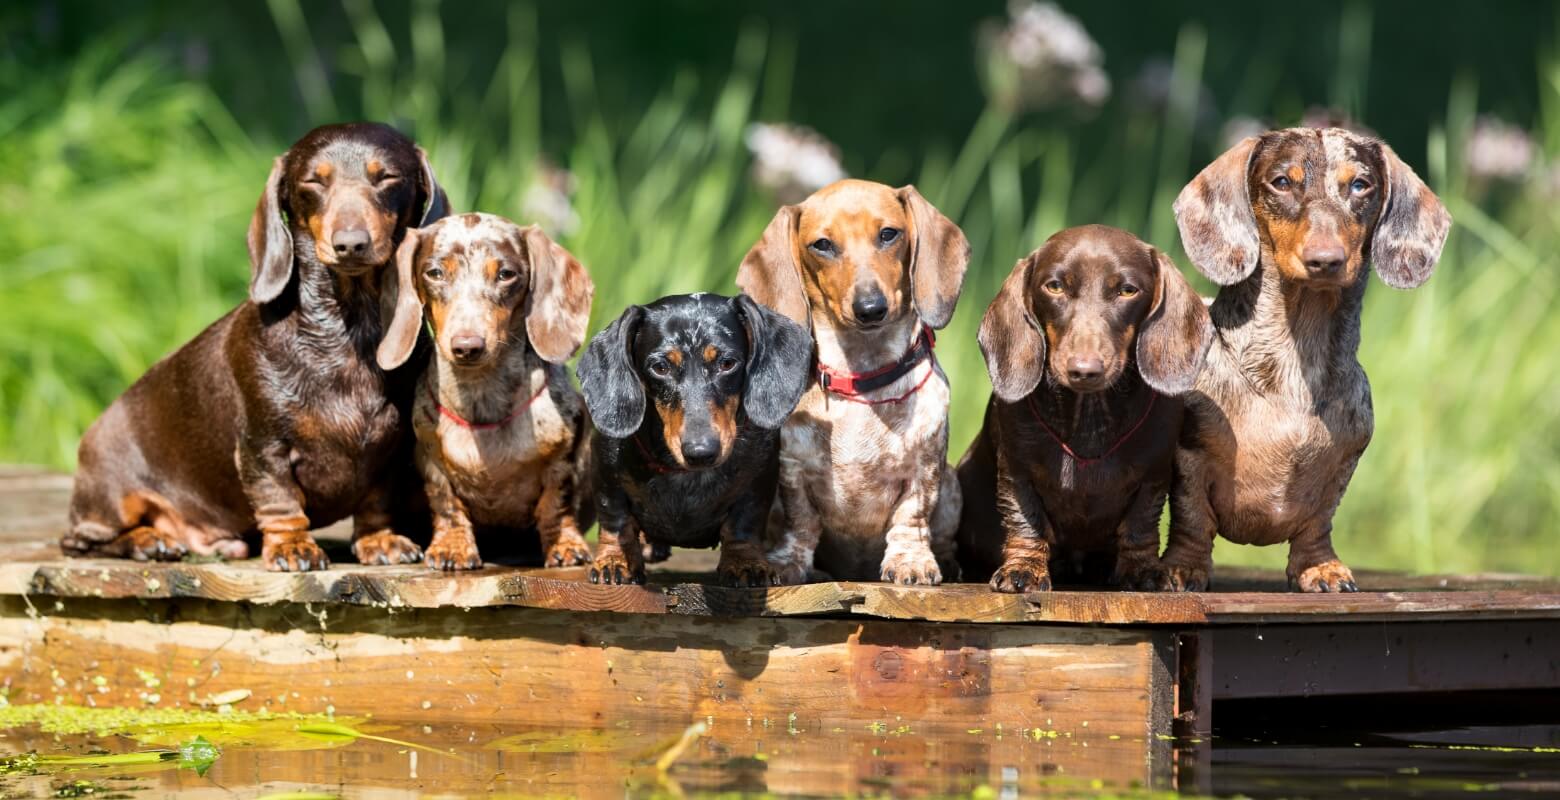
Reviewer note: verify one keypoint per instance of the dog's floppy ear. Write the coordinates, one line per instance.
(938, 258)
(1175, 337)
(270, 241)
(611, 385)
(779, 365)
(1011, 340)
(771, 272)
(558, 305)
(1218, 228)
(404, 318)
(1412, 228)
(436, 204)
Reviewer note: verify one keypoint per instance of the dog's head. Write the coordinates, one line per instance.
(1090, 301)
(1317, 204)
(346, 193)
(861, 255)
(699, 358)
(485, 283)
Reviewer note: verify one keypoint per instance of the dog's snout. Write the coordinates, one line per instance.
(1323, 255)
(351, 242)
(701, 451)
(467, 347)
(870, 306)
(1085, 369)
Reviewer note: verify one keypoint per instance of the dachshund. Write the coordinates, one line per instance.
(866, 491)
(276, 418)
(1289, 223)
(1090, 344)
(696, 465)
(500, 429)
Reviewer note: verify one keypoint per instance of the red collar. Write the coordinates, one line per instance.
(851, 385)
(1083, 461)
(482, 426)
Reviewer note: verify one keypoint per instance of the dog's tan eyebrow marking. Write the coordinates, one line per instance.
(374, 169)
(709, 353)
(323, 170)
(675, 356)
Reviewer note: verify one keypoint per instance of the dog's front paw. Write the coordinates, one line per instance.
(613, 567)
(1328, 576)
(450, 553)
(1022, 575)
(910, 569)
(150, 544)
(787, 574)
(656, 552)
(385, 548)
(568, 551)
(1138, 573)
(744, 571)
(293, 555)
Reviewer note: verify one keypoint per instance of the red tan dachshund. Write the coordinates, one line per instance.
(276, 417)
(866, 491)
(501, 431)
(1289, 223)
(1090, 344)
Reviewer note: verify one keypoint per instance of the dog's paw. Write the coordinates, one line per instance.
(656, 552)
(385, 548)
(787, 574)
(150, 544)
(453, 553)
(567, 552)
(745, 572)
(910, 569)
(612, 567)
(231, 549)
(1138, 574)
(1328, 576)
(1022, 575)
(294, 555)
(1175, 577)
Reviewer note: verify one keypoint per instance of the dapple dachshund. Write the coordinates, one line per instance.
(1090, 344)
(1289, 223)
(866, 491)
(276, 418)
(688, 395)
(501, 431)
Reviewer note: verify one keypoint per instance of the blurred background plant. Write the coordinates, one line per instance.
(657, 139)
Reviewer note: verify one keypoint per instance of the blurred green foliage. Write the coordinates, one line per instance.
(137, 137)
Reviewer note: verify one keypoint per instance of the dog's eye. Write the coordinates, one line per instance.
(505, 275)
(888, 235)
(386, 178)
(1128, 290)
(727, 364)
(823, 246)
(1053, 286)
(1359, 186)
(434, 274)
(1281, 183)
(660, 369)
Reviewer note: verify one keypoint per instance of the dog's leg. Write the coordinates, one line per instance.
(907, 556)
(1314, 565)
(285, 543)
(1027, 536)
(619, 554)
(742, 561)
(373, 539)
(1188, 558)
(1137, 541)
(562, 544)
(800, 527)
(945, 525)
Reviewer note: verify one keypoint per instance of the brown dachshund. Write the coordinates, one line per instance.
(1289, 223)
(864, 478)
(1090, 344)
(501, 431)
(276, 417)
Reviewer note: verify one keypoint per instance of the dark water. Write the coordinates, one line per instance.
(1265, 755)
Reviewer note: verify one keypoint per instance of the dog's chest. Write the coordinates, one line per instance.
(497, 471)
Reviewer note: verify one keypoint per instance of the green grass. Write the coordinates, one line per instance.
(125, 189)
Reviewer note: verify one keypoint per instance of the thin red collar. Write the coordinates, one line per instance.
(1066, 448)
(483, 426)
(851, 385)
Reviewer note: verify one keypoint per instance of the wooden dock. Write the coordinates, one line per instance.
(1118, 672)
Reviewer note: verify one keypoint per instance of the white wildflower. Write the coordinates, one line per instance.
(1043, 58)
(1498, 150)
(792, 161)
(547, 201)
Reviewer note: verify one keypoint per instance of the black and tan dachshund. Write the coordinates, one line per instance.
(276, 418)
(688, 395)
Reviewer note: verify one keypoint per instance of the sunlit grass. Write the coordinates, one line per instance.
(125, 190)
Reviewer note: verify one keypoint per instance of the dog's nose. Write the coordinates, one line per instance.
(870, 307)
(467, 347)
(701, 452)
(351, 243)
(1085, 368)
(1324, 257)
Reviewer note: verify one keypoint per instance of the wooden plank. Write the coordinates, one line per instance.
(1259, 607)
(544, 667)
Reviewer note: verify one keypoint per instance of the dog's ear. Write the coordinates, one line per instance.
(939, 256)
(613, 391)
(1174, 339)
(558, 305)
(1011, 340)
(779, 365)
(436, 204)
(771, 272)
(270, 241)
(1412, 227)
(404, 318)
(1218, 228)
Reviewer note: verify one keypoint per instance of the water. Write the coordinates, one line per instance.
(1255, 759)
